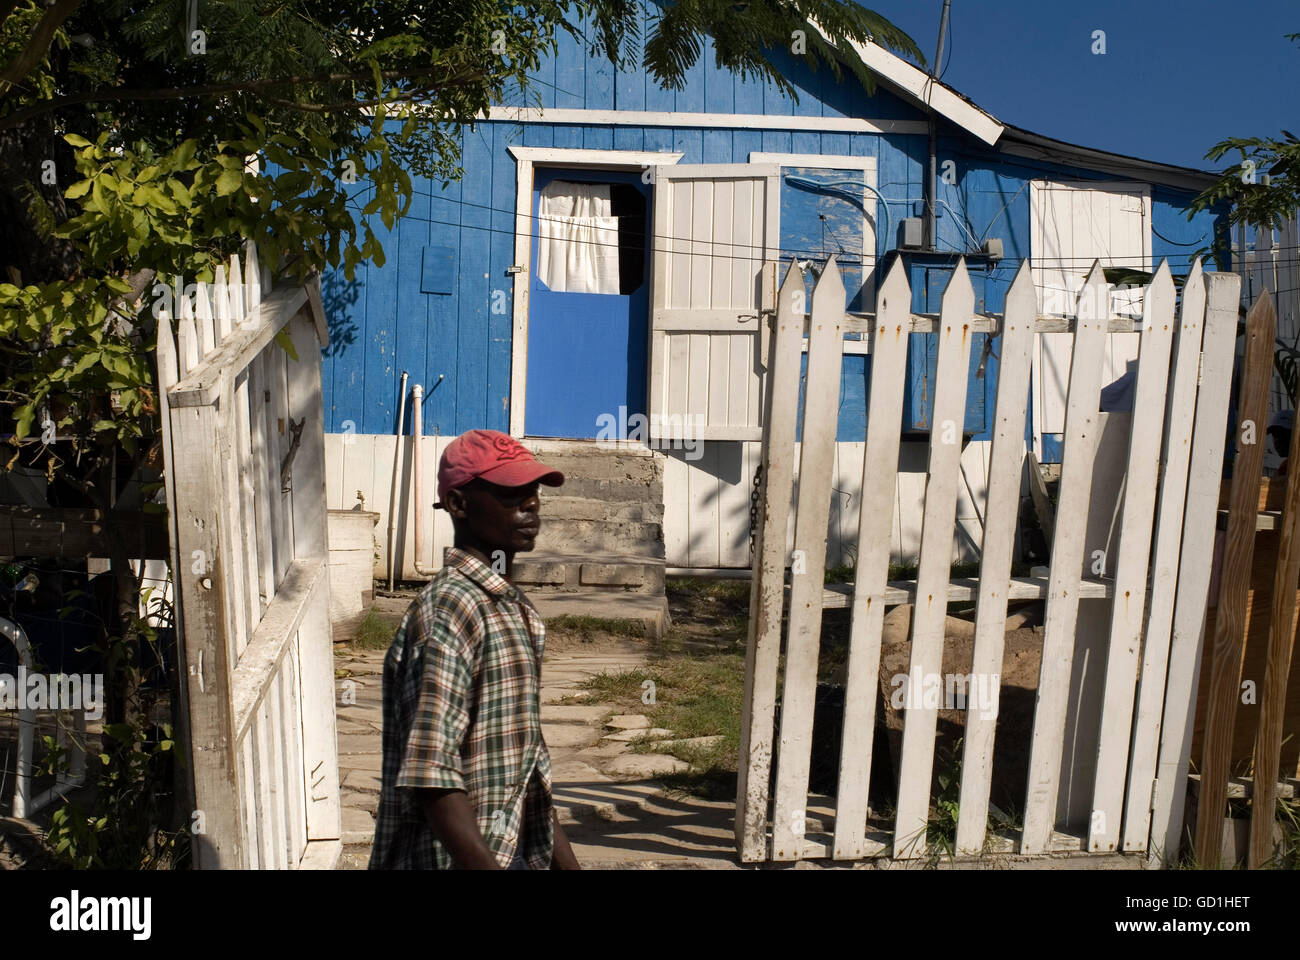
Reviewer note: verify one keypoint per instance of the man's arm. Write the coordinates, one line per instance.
(562, 857)
(451, 817)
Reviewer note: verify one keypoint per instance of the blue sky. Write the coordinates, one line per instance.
(1177, 75)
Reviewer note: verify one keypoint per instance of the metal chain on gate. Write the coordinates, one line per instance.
(753, 509)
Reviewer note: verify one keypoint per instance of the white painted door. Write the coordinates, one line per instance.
(1073, 224)
(715, 227)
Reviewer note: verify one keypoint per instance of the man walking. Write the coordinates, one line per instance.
(466, 775)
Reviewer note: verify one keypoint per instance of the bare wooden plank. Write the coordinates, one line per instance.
(188, 352)
(817, 455)
(1229, 622)
(934, 566)
(265, 652)
(1067, 558)
(280, 731)
(265, 474)
(248, 801)
(243, 447)
(315, 644)
(1176, 459)
(279, 440)
(296, 800)
(221, 304)
(1194, 566)
(267, 839)
(839, 596)
(879, 473)
(1006, 461)
(319, 734)
(1277, 670)
(1131, 561)
(767, 593)
(203, 318)
(253, 292)
(165, 353)
(317, 307)
(207, 613)
(239, 309)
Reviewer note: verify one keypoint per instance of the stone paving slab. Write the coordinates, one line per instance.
(627, 736)
(579, 713)
(629, 721)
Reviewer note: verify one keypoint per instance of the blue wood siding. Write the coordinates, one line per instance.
(457, 344)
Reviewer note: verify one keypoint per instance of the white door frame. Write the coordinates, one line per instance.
(526, 159)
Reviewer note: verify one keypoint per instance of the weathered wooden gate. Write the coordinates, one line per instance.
(243, 443)
(1155, 574)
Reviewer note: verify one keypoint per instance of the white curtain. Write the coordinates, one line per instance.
(577, 238)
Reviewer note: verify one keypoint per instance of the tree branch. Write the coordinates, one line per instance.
(39, 44)
(19, 117)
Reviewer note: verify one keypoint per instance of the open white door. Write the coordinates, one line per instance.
(716, 226)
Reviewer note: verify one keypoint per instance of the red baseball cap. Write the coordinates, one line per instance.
(496, 457)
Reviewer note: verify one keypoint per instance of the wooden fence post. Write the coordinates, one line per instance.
(889, 342)
(1229, 622)
(929, 614)
(767, 589)
(1081, 420)
(1006, 461)
(1195, 562)
(816, 457)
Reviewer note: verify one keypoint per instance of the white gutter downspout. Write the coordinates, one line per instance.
(397, 473)
(417, 430)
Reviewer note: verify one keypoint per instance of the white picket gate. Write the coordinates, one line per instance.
(1155, 571)
(244, 454)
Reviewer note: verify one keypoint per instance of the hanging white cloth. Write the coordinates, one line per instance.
(577, 238)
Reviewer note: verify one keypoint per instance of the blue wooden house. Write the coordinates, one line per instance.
(603, 266)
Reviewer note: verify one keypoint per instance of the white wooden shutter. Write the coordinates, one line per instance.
(716, 226)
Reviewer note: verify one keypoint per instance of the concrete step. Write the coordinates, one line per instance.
(585, 459)
(605, 488)
(617, 573)
(597, 508)
(651, 610)
(636, 538)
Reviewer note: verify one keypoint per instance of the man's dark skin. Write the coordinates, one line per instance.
(491, 521)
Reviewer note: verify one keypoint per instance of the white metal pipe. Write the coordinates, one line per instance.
(417, 478)
(397, 472)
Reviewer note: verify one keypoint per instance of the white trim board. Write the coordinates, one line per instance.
(831, 161)
(526, 158)
(608, 159)
(666, 118)
(920, 87)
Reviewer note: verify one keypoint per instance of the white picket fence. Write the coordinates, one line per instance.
(1132, 757)
(244, 452)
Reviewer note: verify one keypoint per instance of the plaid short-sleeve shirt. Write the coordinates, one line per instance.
(460, 712)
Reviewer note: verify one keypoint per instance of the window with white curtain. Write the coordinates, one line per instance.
(578, 238)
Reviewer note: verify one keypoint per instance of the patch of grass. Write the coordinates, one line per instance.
(585, 628)
(621, 687)
(375, 632)
(686, 588)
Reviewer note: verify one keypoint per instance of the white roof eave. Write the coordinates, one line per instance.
(915, 83)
